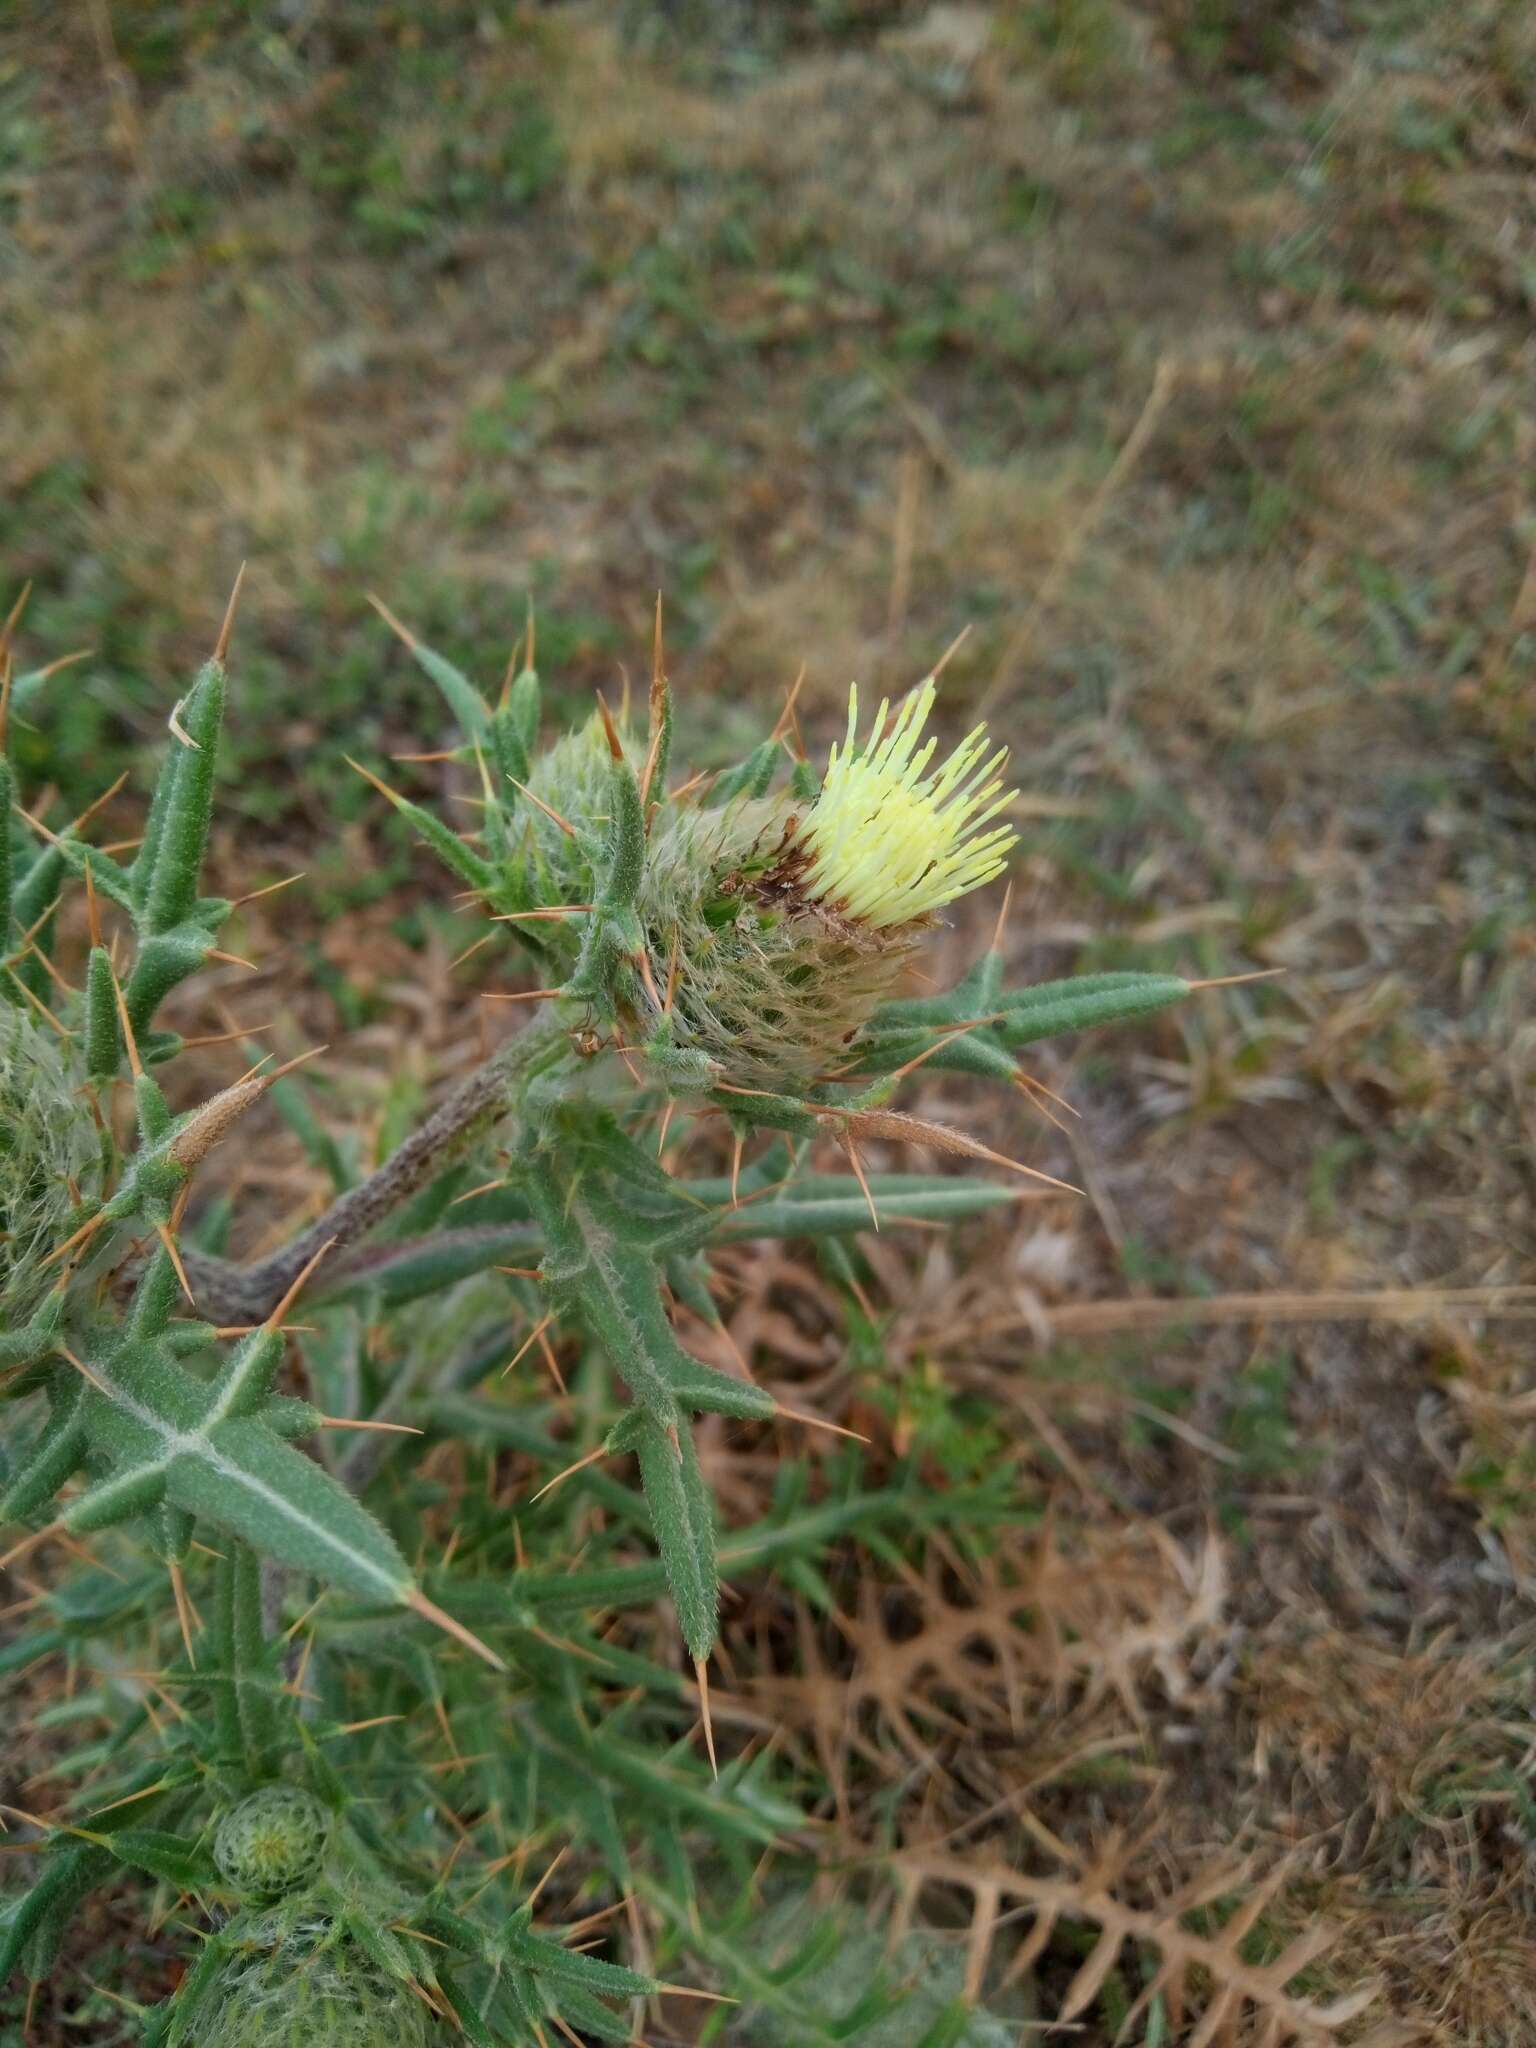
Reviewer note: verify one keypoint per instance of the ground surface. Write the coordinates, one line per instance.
(1181, 350)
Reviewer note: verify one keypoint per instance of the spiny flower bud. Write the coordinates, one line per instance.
(303, 1983)
(50, 1159)
(782, 928)
(574, 779)
(273, 1841)
(764, 981)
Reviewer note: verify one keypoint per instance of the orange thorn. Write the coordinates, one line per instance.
(232, 959)
(942, 1039)
(29, 1543)
(80, 1236)
(348, 1422)
(666, 1125)
(228, 1037)
(863, 1180)
(401, 632)
(255, 895)
(615, 747)
(787, 715)
(666, 1008)
(1002, 918)
(525, 995)
(816, 1422)
(459, 958)
(683, 788)
(521, 1272)
(430, 1611)
(510, 673)
(92, 907)
(83, 1369)
(183, 1608)
(392, 795)
(486, 1187)
(550, 1359)
(1232, 980)
(709, 1727)
(548, 1487)
(38, 1004)
(287, 1067)
(13, 617)
(135, 1063)
(533, 1896)
(950, 652)
(1029, 1081)
(62, 661)
(656, 707)
(38, 826)
(226, 631)
(163, 1232)
(527, 1345)
(553, 910)
(92, 808)
(489, 794)
(249, 1329)
(548, 810)
(275, 1320)
(643, 962)
(49, 969)
(740, 1147)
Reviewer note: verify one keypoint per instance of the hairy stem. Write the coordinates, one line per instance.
(227, 1292)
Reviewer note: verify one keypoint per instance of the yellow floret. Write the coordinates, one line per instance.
(890, 841)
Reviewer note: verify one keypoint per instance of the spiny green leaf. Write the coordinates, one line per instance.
(458, 692)
(241, 1477)
(103, 1046)
(824, 1203)
(750, 777)
(461, 859)
(682, 1515)
(35, 1924)
(182, 830)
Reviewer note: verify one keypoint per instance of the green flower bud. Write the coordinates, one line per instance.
(273, 1841)
(50, 1158)
(574, 779)
(305, 1984)
(784, 924)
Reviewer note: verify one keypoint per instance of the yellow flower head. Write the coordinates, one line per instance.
(889, 840)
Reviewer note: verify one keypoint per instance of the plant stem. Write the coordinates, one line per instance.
(230, 1293)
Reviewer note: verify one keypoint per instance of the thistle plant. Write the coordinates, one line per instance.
(737, 946)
